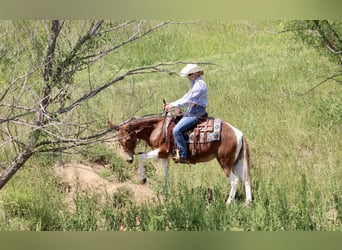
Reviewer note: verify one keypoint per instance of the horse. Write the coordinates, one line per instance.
(231, 151)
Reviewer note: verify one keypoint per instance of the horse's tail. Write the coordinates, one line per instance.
(246, 162)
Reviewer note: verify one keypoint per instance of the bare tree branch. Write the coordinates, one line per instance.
(81, 41)
(135, 36)
(94, 92)
(333, 77)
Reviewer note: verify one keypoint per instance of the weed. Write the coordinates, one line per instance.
(121, 169)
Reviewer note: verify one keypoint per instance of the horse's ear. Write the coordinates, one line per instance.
(111, 125)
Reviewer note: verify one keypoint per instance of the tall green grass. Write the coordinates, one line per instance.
(295, 140)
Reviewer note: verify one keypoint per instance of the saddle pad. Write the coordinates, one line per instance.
(214, 135)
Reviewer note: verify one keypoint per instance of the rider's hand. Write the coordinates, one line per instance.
(167, 106)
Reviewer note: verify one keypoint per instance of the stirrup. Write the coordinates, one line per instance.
(176, 158)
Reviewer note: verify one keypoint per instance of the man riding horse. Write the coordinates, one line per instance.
(211, 138)
(196, 100)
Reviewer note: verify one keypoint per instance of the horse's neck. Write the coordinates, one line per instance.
(149, 131)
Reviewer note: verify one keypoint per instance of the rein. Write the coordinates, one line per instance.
(166, 112)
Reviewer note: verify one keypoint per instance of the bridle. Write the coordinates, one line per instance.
(129, 136)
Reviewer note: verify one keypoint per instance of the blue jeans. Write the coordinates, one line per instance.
(189, 119)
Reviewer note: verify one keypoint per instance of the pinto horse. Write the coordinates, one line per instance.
(231, 151)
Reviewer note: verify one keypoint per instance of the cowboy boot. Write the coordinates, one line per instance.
(176, 158)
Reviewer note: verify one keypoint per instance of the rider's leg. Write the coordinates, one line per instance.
(178, 132)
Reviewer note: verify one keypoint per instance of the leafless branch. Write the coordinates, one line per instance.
(67, 143)
(333, 77)
(15, 81)
(93, 92)
(137, 34)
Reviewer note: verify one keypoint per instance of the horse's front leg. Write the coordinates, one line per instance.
(141, 169)
(141, 158)
(165, 164)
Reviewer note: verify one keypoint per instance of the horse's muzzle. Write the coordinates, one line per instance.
(129, 157)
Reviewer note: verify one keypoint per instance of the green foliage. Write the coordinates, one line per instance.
(119, 210)
(338, 201)
(323, 35)
(150, 169)
(35, 201)
(122, 198)
(121, 169)
(85, 216)
(328, 111)
(98, 153)
(102, 154)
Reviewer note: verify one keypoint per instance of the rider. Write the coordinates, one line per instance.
(196, 100)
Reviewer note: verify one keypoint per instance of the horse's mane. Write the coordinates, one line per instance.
(144, 120)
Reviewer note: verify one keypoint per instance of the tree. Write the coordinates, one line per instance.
(39, 63)
(326, 37)
(319, 34)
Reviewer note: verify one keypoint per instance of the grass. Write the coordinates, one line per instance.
(295, 140)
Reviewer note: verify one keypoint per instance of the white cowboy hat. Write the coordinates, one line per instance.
(189, 69)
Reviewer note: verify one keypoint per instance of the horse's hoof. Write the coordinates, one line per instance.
(248, 202)
(228, 203)
(143, 181)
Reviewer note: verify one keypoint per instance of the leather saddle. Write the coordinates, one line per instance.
(197, 135)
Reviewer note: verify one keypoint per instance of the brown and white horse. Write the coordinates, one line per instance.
(231, 151)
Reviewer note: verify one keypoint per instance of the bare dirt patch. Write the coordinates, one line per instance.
(81, 177)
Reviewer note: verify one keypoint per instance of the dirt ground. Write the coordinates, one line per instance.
(76, 175)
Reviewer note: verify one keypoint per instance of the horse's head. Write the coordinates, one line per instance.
(128, 140)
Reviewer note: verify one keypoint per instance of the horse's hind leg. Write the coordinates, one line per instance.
(234, 182)
(234, 179)
(248, 189)
(238, 169)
